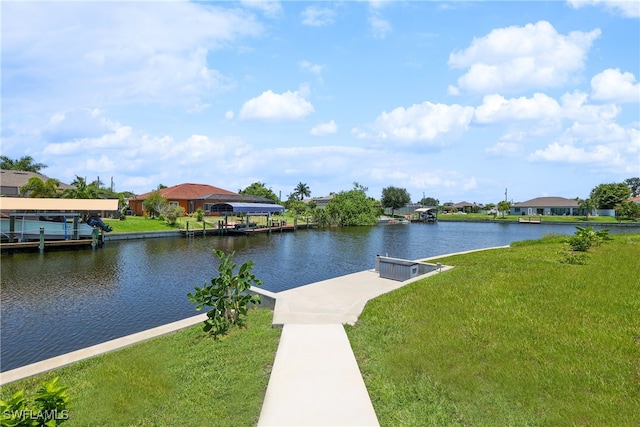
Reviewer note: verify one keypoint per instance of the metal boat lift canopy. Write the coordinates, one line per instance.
(48, 204)
(246, 208)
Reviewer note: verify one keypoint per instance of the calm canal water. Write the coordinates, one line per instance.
(57, 302)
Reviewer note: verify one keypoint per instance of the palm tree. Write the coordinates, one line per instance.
(35, 187)
(25, 163)
(504, 206)
(82, 190)
(588, 205)
(302, 190)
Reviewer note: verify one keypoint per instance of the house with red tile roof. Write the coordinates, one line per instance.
(193, 196)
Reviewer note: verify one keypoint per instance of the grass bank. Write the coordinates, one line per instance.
(141, 223)
(542, 218)
(509, 337)
(185, 378)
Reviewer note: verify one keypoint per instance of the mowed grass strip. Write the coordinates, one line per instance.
(509, 337)
(182, 379)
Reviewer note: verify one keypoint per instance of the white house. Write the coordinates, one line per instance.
(547, 206)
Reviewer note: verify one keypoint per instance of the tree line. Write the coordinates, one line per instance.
(351, 207)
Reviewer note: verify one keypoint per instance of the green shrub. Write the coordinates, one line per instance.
(579, 243)
(48, 409)
(171, 214)
(199, 214)
(568, 256)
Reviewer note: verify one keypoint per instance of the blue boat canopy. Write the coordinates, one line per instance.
(248, 208)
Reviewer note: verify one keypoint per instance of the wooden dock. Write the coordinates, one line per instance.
(529, 220)
(35, 245)
(242, 229)
(261, 229)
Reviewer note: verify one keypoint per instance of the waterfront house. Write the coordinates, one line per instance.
(466, 207)
(547, 206)
(321, 202)
(193, 196)
(11, 181)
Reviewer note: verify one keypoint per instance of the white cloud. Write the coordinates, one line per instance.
(271, 8)
(509, 145)
(627, 8)
(516, 58)
(612, 85)
(324, 129)
(557, 152)
(504, 148)
(575, 107)
(274, 106)
(603, 143)
(496, 108)
(424, 122)
(315, 16)
(110, 53)
(379, 26)
(452, 90)
(76, 123)
(312, 68)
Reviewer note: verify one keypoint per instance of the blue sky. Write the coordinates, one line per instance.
(452, 100)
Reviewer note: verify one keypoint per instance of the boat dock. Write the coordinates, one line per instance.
(263, 229)
(244, 228)
(529, 220)
(66, 244)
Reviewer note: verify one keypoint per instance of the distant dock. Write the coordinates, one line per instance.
(48, 244)
(529, 220)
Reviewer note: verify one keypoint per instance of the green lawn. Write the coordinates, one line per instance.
(141, 223)
(182, 379)
(543, 218)
(509, 337)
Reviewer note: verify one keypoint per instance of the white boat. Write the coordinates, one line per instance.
(58, 228)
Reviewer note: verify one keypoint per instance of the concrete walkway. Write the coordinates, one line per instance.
(315, 379)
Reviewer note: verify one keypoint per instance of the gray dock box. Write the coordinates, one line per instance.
(397, 269)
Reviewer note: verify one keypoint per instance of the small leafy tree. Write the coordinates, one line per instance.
(260, 189)
(348, 208)
(155, 204)
(429, 202)
(295, 205)
(227, 295)
(607, 196)
(629, 210)
(394, 198)
(171, 213)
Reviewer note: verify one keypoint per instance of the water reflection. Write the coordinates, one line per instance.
(58, 302)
